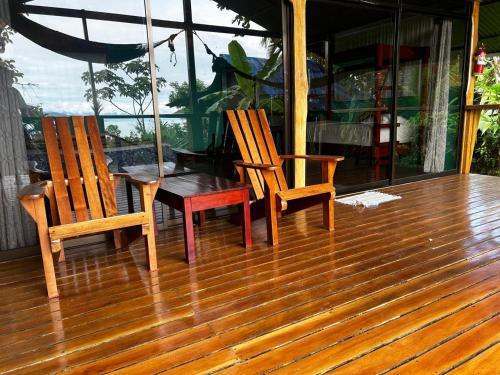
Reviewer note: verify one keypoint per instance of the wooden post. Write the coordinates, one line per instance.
(300, 88)
(471, 121)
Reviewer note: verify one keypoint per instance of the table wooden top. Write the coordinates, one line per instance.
(199, 184)
(169, 169)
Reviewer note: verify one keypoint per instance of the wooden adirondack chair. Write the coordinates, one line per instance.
(263, 167)
(85, 213)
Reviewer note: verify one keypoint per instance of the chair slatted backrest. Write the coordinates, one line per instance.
(81, 169)
(255, 141)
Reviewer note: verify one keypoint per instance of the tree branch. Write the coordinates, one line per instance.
(124, 111)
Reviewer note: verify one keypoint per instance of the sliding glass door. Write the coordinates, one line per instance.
(429, 96)
(350, 63)
(357, 80)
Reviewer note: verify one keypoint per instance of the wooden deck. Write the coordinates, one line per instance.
(409, 287)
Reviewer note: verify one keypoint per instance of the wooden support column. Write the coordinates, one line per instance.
(300, 88)
(472, 116)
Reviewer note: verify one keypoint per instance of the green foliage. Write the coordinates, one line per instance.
(174, 134)
(33, 129)
(180, 95)
(242, 21)
(240, 61)
(242, 94)
(130, 80)
(5, 38)
(487, 152)
(486, 159)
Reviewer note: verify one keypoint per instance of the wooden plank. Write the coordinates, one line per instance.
(87, 166)
(445, 356)
(275, 159)
(251, 143)
(262, 300)
(306, 191)
(457, 233)
(297, 340)
(56, 170)
(97, 225)
(301, 88)
(72, 170)
(327, 355)
(182, 356)
(124, 353)
(423, 340)
(259, 138)
(399, 217)
(105, 183)
(245, 154)
(483, 363)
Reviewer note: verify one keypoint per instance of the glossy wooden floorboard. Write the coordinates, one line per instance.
(403, 287)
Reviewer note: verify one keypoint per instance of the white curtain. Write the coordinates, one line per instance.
(439, 90)
(16, 228)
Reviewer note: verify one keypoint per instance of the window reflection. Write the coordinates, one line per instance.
(429, 102)
(350, 89)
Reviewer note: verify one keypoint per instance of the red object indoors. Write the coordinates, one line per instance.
(480, 61)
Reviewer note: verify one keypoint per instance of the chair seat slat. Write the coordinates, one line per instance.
(91, 189)
(266, 130)
(72, 170)
(105, 183)
(245, 154)
(56, 169)
(251, 143)
(266, 149)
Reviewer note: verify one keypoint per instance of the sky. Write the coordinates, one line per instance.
(54, 81)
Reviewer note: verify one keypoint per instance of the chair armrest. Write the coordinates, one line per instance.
(314, 157)
(262, 167)
(33, 191)
(138, 179)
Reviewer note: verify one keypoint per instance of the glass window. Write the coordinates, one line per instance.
(237, 73)
(171, 10)
(174, 98)
(429, 99)
(118, 90)
(349, 66)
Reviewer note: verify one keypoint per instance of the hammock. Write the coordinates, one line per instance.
(76, 48)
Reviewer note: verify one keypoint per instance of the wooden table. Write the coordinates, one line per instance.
(169, 169)
(200, 192)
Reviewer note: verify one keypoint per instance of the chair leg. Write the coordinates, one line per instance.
(147, 200)
(48, 266)
(120, 239)
(328, 214)
(271, 219)
(62, 255)
(151, 250)
(45, 247)
(327, 172)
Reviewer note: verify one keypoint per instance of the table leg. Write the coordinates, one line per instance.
(155, 219)
(189, 232)
(247, 221)
(201, 218)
